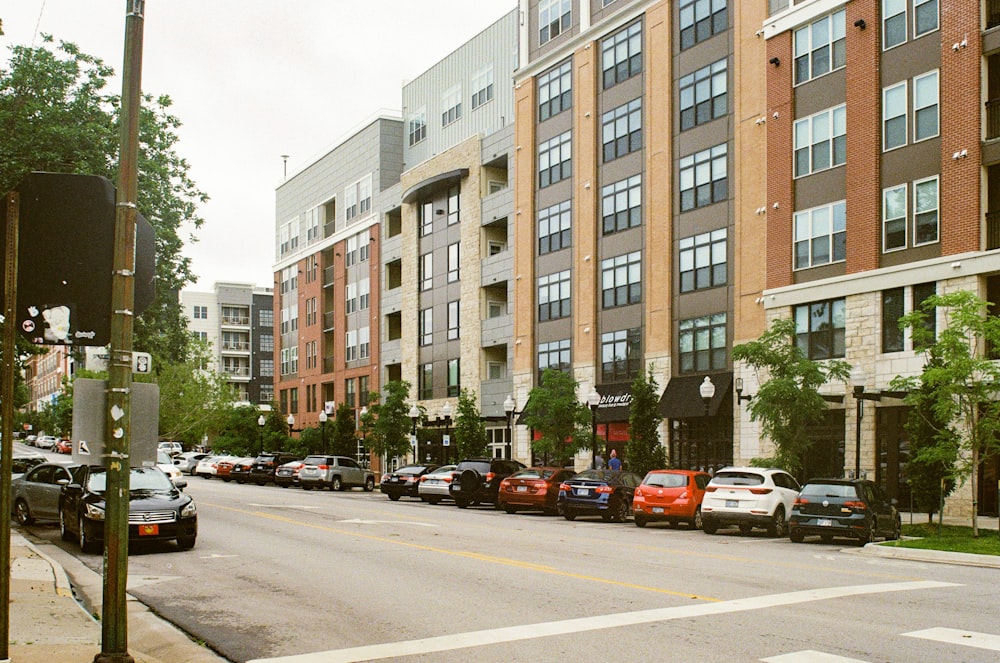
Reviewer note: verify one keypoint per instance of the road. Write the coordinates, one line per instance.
(282, 573)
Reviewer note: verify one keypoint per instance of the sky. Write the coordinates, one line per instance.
(252, 80)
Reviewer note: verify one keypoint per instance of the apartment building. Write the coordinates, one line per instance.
(44, 374)
(237, 321)
(639, 150)
(882, 188)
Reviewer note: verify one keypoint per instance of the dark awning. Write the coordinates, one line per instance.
(616, 400)
(682, 398)
(441, 178)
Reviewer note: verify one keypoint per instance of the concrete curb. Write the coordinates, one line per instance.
(933, 556)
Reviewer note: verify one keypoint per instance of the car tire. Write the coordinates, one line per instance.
(869, 536)
(796, 536)
(22, 513)
(87, 545)
(569, 514)
(460, 503)
(64, 532)
(393, 497)
(284, 485)
(709, 527)
(369, 484)
(778, 525)
(697, 522)
(640, 521)
(826, 538)
(185, 542)
(746, 530)
(509, 508)
(897, 531)
(620, 511)
(336, 485)
(470, 482)
(307, 487)
(432, 500)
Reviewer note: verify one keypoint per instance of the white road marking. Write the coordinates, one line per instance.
(284, 506)
(217, 556)
(568, 626)
(810, 656)
(386, 522)
(954, 636)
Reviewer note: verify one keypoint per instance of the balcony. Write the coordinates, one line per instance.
(497, 331)
(236, 346)
(329, 318)
(497, 268)
(328, 276)
(234, 320)
(992, 230)
(237, 372)
(993, 118)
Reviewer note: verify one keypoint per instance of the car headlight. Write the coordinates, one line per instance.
(189, 510)
(93, 512)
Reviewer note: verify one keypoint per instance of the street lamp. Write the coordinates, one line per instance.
(593, 400)
(414, 417)
(322, 427)
(509, 405)
(858, 377)
(446, 440)
(260, 423)
(707, 391)
(364, 434)
(291, 422)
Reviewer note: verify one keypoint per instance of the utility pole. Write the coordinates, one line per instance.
(114, 620)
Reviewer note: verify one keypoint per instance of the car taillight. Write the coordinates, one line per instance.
(604, 489)
(854, 504)
(447, 479)
(385, 477)
(490, 475)
(422, 479)
(760, 491)
(325, 468)
(710, 489)
(566, 487)
(638, 492)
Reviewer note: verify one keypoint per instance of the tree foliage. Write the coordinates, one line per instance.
(788, 400)
(644, 451)
(470, 430)
(342, 438)
(561, 421)
(388, 421)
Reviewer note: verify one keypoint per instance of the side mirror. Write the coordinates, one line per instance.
(181, 484)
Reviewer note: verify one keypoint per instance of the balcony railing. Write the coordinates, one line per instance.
(993, 118)
(992, 13)
(242, 320)
(992, 230)
(236, 371)
(238, 346)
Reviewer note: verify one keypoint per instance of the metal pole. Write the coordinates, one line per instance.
(114, 621)
(510, 435)
(593, 437)
(857, 430)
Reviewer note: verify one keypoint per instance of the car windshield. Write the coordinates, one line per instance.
(666, 480)
(829, 490)
(738, 479)
(411, 469)
(140, 478)
(447, 469)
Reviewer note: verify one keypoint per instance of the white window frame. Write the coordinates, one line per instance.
(896, 91)
(896, 7)
(482, 86)
(804, 47)
(549, 29)
(806, 220)
(936, 209)
(925, 105)
(426, 276)
(417, 126)
(454, 261)
(835, 115)
(451, 102)
(896, 218)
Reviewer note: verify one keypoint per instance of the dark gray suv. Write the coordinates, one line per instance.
(477, 480)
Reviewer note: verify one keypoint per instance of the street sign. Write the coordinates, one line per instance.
(142, 362)
(446, 440)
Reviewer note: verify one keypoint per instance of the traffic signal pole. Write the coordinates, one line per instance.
(114, 618)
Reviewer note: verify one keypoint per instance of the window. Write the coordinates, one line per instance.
(417, 127)
(425, 217)
(349, 392)
(555, 228)
(894, 218)
(267, 392)
(922, 292)
(703, 95)
(621, 55)
(702, 343)
(819, 329)
(426, 275)
(265, 317)
(201, 313)
(554, 296)
(495, 309)
(894, 116)
(267, 368)
(621, 280)
(358, 198)
(350, 202)
(496, 370)
(201, 336)
(700, 19)
(482, 86)
(454, 377)
(451, 101)
(290, 360)
(925, 106)
(351, 298)
(267, 342)
(893, 22)
(364, 342)
(554, 355)
(310, 311)
(821, 141)
(703, 260)
(364, 392)
(554, 18)
(310, 355)
(454, 261)
(453, 320)
(352, 251)
(426, 381)
(820, 235)
(312, 268)
(289, 279)
(925, 17)
(895, 302)
(312, 223)
(351, 345)
(704, 178)
(820, 47)
(454, 205)
(555, 91)
(621, 205)
(925, 211)
(621, 355)
(364, 290)
(426, 326)
(555, 161)
(289, 236)
(895, 226)
(364, 241)
(621, 130)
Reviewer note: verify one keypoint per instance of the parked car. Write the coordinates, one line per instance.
(30, 440)
(477, 480)
(164, 462)
(434, 485)
(404, 481)
(749, 497)
(240, 471)
(35, 494)
(224, 466)
(22, 462)
(206, 467)
(288, 474)
(157, 509)
(606, 493)
(533, 488)
(188, 460)
(336, 473)
(64, 446)
(47, 442)
(853, 508)
(266, 464)
(171, 448)
(671, 496)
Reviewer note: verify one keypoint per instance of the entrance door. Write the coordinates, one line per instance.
(989, 486)
(893, 449)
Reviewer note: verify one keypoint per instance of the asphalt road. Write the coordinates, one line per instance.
(282, 574)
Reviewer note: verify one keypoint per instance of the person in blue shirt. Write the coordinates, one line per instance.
(614, 463)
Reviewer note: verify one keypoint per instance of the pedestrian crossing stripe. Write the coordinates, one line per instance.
(955, 636)
(810, 656)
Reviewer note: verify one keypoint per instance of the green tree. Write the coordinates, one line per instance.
(470, 430)
(343, 440)
(644, 451)
(237, 431)
(389, 432)
(959, 381)
(788, 400)
(558, 417)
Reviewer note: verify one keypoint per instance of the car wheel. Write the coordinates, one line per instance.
(708, 528)
(460, 503)
(284, 485)
(433, 500)
(569, 514)
(697, 522)
(307, 487)
(369, 485)
(22, 513)
(745, 530)
(620, 513)
(64, 532)
(640, 521)
(470, 482)
(336, 484)
(897, 531)
(778, 524)
(826, 538)
(870, 534)
(509, 508)
(796, 536)
(86, 544)
(392, 496)
(185, 542)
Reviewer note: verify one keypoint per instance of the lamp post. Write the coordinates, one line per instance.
(291, 422)
(322, 427)
(858, 377)
(707, 391)
(261, 421)
(414, 417)
(364, 430)
(509, 404)
(446, 440)
(593, 400)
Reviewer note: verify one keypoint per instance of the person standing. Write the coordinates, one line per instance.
(614, 463)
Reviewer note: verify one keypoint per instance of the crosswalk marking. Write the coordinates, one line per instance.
(810, 656)
(954, 636)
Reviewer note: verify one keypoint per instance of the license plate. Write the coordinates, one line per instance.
(394, 479)
(824, 522)
(732, 504)
(522, 489)
(149, 530)
(582, 491)
(657, 509)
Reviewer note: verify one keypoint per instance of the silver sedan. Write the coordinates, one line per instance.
(35, 494)
(434, 485)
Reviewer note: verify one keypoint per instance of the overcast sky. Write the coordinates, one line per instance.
(252, 80)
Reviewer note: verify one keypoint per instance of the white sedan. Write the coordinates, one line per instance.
(434, 485)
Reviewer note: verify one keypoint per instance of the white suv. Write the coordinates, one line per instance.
(749, 497)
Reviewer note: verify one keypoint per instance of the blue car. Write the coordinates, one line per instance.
(604, 493)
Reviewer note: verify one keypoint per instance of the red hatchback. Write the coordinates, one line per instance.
(532, 488)
(670, 495)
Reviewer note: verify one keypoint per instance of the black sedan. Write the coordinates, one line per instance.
(157, 510)
(853, 508)
(405, 481)
(604, 493)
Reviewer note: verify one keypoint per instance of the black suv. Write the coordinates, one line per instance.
(477, 480)
(263, 467)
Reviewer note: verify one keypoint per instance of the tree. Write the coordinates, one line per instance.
(343, 441)
(959, 381)
(644, 451)
(788, 400)
(390, 428)
(470, 431)
(561, 420)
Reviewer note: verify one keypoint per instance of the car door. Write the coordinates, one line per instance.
(884, 519)
(351, 473)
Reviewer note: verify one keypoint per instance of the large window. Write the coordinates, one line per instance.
(820, 235)
(554, 355)
(426, 326)
(819, 329)
(426, 276)
(894, 116)
(554, 296)
(454, 314)
(454, 377)
(895, 302)
(358, 198)
(554, 18)
(425, 218)
(621, 130)
(704, 177)
(820, 47)
(700, 19)
(621, 205)
(925, 211)
(454, 205)
(821, 141)
(621, 355)
(896, 229)
(417, 127)
(925, 106)
(896, 111)
(621, 55)
(555, 91)
(703, 260)
(426, 381)
(482, 87)
(555, 160)
(454, 261)
(451, 101)
(703, 95)
(899, 16)
(621, 280)
(554, 228)
(702, 343)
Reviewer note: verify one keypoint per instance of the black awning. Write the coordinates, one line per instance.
(682, 398)
(435, 180)
(616, 401)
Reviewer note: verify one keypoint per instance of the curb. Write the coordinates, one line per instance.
(932, 556)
